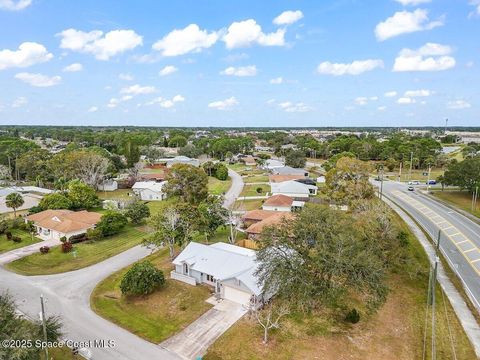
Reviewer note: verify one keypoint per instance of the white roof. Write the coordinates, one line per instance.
(291, 186)
(150, 185)
(288, 170)
(272, 163)
(223, 261)
(24, 189)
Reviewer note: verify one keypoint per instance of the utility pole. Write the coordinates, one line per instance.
(411, 165)
(434, 281)
(44, 323)
(400, 172)
(428, 178)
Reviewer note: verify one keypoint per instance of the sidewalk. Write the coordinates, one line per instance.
(461, 309)
(16, 254)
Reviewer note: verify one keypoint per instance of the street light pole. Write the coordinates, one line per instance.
(428, 178)
(44, 324)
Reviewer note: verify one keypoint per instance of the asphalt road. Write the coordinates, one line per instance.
(460, 236)
(235, 189)
(68, 295)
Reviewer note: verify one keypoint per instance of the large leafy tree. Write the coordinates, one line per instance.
(464, 174)
(211, 215)
(14, 201)
(111, 223)
(167, 230)
(348, 181)
(55, 201)
(81, 195)
(188, 183)
(137, 211)
(323, 257)
(295, 158)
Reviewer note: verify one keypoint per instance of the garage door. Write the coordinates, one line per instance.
(236, 295)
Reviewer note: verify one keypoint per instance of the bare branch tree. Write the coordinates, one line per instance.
(166, 226)
(91, 169)
(269, 317)
(135, 170)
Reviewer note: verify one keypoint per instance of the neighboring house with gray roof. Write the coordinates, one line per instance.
(31, 196)
(293, 189)
(288, 170)
(229, 269)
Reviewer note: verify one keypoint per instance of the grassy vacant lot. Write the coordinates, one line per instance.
(154, 317)
(7, 245)
(255, 178)
(120, 194)
(251, 190)
(247, 205)
(460, 199)
(394, 332)
(417, 174)
(218, 187)
(84, 254)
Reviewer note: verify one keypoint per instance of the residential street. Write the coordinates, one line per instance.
(68, 295)
(460, 237)
(235, 189)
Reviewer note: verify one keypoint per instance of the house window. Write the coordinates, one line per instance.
(185, 269)
(210, 278)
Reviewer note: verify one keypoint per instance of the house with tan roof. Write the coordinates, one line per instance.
(282, 203)
(54, 224)
(254, 216)
(256, 229)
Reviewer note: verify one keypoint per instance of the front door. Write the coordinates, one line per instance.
(185, 269)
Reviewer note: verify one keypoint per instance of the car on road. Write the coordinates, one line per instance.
(431, 182)
(414, 182)
(411, 188)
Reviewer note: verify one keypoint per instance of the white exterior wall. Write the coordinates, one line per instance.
(149, 195)
(112, 186)
(277, 208)
(48, 234)
(294, 195)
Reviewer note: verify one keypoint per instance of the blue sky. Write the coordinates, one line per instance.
(244, 63)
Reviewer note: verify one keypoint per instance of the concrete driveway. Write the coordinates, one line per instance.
(25, 251)
(195, 339)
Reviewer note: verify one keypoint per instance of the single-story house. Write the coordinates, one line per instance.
(271, 164)
(293, 189)
(256, 229)
(249, 160)
(108, 185)
(288, 170)
(149, 190)
(31, 196)
(229, 269)
(54, 224)
(254, 216)
(282, 203)
(169, 162)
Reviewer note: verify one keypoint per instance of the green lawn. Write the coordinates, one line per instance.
(417, 174)
(154, 317)
(84, 254)
(460, 199)
(256, 178)
(221, 235)
(120, 194)
(247, 205)
(251, 190)
(7, 245)
(218, 187)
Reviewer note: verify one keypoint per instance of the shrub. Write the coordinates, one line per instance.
(137, 211)
(93, 234)
(221, 172)
(8, 234)
(16, 239)
(67, 247)
(77, 238)
(403, 238)
(112, 223)
(63, 239)
(353, 316)
(259, 190)
(142, 279)
(44, 250)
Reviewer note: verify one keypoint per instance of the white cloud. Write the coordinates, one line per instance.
(127, 97)
(113, 103)
(355, 68)
(392, 93)
(28, 53)
(38, 80)
(241, 71)
(373, 98)
(14, 5)
(430, 57)
(361, 100)
(413, 2)
(226, 104)
(476, 12)
(247, 33)
(167, 70)
(277, 80)
(458, 104)
(418, 93)
(406, 101)
(381, 108)
(178, 98)
(103, 47)
(138, 90)
(93, 109)
(19, 102)
(404, 22)
(184, 41)
(288, 17)
(126, 77)
(73, 67)
(291, 107)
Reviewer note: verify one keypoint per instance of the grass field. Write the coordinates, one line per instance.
(221, 235)
(251, 190)
(255, 178)
(218, 187)
(460, 199)
(394, 332)
(62, 353)
(247, 205)
(120, 194)
(7, 245)
(84, 254)
(154, 317)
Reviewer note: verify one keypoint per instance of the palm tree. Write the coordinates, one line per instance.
(14, 201)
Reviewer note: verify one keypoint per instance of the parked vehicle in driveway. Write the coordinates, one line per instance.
(411, 188)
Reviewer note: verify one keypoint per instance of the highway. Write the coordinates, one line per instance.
(460, 236)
